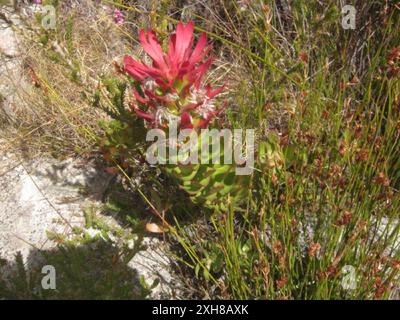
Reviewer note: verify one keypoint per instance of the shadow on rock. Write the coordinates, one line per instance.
(95, 270)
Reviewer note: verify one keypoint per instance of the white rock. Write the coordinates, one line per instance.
(44, 195)
(92, 232)
(153, 263)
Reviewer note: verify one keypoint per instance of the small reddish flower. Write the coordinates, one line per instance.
(394, 62)
(172, 87)
(382, 179)
(277, 247)
(119, 17)
(344, 219)
(281, 282)
(314, 248)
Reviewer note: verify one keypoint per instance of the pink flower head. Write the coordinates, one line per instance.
(172, 86)
(118, 17)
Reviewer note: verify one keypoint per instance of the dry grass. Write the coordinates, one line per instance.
(62, 69)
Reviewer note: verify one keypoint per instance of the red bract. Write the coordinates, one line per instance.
(172, 87)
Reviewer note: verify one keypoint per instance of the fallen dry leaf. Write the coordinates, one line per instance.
(154, 228)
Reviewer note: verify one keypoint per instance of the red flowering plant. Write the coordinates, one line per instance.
(172, 90)
(170, 93)
(172, 87)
